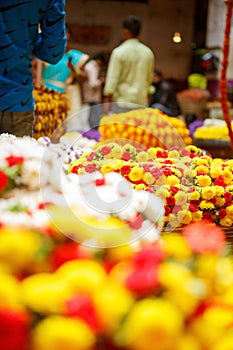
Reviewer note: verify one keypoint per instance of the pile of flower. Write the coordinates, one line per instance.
(174, 294)
(37, 192)
(192, 184)
(51, 110)
(219, 132)
(146, 127)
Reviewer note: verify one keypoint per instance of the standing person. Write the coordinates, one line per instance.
(65, 76)
(19, 40)
(92, 88)
(164, 97)
(130, 70)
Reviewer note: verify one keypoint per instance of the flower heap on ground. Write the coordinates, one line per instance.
(192, 184)
(173, 294)
(148, 127)
(51, 109)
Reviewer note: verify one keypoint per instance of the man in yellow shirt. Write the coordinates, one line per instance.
(130, 71)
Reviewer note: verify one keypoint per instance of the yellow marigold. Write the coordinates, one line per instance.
(201, 161)
(203, 180)
(142, 156)
(117, 164)
(81, 171)
(162, 193)
(219, 191)
(148, 178)
(148, 319)
(226, 221)
(173, 220)
(197, 216)
(229, 188)
(117, 152)
(215, 171)
(206, 205)
(140, 187)
(220, 201)
(136, 174)
(227, 176)
(176, 172)
(208, 192)
(58, 333)
(191, 173)
(181, 198)
(173, 154)
(153, 151)
(229, 211)
(107, 168)
(176, 246)
(203, 168)
(195, 195)
(185, 217)
(193, 149)
(172, 180)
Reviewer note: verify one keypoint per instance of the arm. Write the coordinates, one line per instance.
(51, 42)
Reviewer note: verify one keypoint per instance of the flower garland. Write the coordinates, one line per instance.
(146, 127)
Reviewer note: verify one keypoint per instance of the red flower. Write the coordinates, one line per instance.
(14, 330)
(126, 156)
(90, 168)
(185, 152)
(170, 201)
(207, 216)
(167, 171)
(174, 189)
(66, 252)
(222, 213)
(219, 181)
(82, 306)
(106, 150)
(205, 238)
(162, 154)
(176, 209)
(100, 182)
(75, 168)
(193, 208)
(13, 160)
(167, 211)
(143, 281)
(136, 222)
(228, 197)
(3, 181)
(91, 156)
(125, 170)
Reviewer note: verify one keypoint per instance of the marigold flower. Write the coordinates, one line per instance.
(215, 171)
(197, 216)
(226, 221)
(229, 210)
(219, 201)
(181, 198)
(208, 192)
(206, 205)
(57, 333)
(107, 168)
(202, 169)
(219, 191)
(142, 156)
(136, 174)
(185, 217)
(203, 180)
(193, 149)
(227, 176)
(172, 180)
(195, 196)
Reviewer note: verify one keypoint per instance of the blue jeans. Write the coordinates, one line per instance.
(162, 108)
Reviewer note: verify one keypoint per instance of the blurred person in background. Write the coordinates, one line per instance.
(20, 40)
(67, 75)
(92, 88)
(164, 98)
(130, 71)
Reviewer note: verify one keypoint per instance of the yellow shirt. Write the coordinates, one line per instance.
(130, 73)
